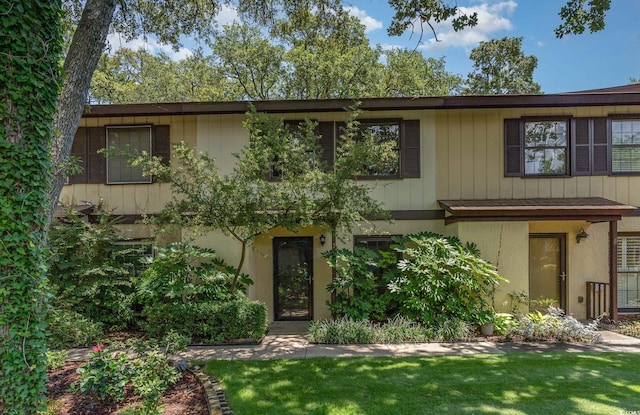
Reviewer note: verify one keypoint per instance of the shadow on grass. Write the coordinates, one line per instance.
(540, 383)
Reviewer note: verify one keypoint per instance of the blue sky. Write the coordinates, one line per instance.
(588, 61)
(574, 63)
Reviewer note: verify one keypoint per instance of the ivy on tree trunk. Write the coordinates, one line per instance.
(31, 44)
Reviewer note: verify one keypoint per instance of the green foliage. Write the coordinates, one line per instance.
(409, 13)
(56, 358)
(441, 279)
(209, 322)
(342, 331)
(183, 273)
(104, 376)
(150, 376)
(577, 15)
(359, 293)
(500, 67)
(70, 329)
(88, 273)
(630, 329)
(31, 43)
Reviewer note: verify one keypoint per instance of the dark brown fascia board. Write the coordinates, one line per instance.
(593, 219)
(367, 104)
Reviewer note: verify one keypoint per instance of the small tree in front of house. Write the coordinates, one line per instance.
(280, 180)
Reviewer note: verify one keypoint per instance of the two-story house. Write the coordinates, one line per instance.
(547, 186)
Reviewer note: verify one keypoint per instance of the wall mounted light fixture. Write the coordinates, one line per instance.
(581, 235)
(323, 239)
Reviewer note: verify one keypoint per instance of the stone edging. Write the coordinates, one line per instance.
(216, 398)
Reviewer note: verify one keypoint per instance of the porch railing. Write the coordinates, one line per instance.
(597, 299)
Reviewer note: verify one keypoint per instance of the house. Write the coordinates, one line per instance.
(547, 186)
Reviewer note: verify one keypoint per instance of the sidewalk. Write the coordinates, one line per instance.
(288, 341)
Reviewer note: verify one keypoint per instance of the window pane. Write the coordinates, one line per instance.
(545, 161)
(545, 134)
(625, 159)
(124, 142)
(387, 137)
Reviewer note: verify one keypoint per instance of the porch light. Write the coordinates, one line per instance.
(581, 235)
(323, 239)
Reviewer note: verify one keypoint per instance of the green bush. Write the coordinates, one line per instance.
(88, 273)
(442, 280)
(69, 329)
(360, 287)
(210, 322)
(346, 330)
(182, 273)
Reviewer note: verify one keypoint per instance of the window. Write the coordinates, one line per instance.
(90, 140)
(134, 255)
(124, 142)
(625, 146)
(387, 136)
(629, 272)
(545, 147)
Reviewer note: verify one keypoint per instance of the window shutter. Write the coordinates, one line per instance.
(581, 157)
(161, 144)
(327, 144)
(600, 147)
(96, 163)
(410, 149)
(512, 148)
(79, 151)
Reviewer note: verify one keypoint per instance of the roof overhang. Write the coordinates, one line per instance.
(590, 209)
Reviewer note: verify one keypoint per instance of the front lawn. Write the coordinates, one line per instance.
(532, 383)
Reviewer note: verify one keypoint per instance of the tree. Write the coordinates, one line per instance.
(139, 76)
(31, 43)
(245, 203)
(577, 15)
(500, 67)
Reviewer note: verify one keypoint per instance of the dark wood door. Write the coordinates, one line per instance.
(293, 278)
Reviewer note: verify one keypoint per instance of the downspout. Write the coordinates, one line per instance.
(613, 269)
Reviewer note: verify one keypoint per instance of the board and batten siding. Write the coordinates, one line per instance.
(470, 157)
(130, 199)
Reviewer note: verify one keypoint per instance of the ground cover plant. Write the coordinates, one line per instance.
(535, 383)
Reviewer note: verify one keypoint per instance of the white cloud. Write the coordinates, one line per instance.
(369, 22)
(227, 15)
(540, 44)
(150, 44)
(491, 18)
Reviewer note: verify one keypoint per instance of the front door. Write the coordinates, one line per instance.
(293, 278)
(547, 268)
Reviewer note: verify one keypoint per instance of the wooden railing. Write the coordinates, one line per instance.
(598, 301)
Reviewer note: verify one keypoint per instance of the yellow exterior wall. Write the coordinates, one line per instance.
(470, 154)
(504, 244)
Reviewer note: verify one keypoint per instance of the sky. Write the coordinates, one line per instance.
(575, 63)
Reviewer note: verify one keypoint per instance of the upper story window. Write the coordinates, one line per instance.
(386, 134)
(126, 141)
(545, 147)
(625, 146)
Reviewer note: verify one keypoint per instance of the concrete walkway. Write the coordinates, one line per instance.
(287, 340)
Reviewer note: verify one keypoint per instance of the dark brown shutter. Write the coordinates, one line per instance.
(79, 151)
(410, 149)
(512, 148)
(581, 157)
(327, 144)
(96, 163)
(600, 148)
(161, 146)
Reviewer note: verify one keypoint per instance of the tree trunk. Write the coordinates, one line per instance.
(80, 63)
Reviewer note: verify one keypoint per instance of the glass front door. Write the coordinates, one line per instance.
(293, 278)
(547, 268)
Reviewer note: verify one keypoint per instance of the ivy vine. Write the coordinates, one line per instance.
(30, 48)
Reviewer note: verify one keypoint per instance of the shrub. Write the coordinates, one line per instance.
(452, 329)
(630, 329)
(105, 375)
(150, 376)
(56, 358)
(87, 272)
(554, 326)
(213, 322)
(69, 329)
(346, 330)
(442, 280)
(360, 285)
(182, 273)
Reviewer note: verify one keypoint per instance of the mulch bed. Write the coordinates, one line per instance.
(185, 397)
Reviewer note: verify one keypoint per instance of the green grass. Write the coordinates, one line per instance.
(531, 383)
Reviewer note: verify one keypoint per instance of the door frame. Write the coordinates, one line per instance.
(563, 263)
(309, 248)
